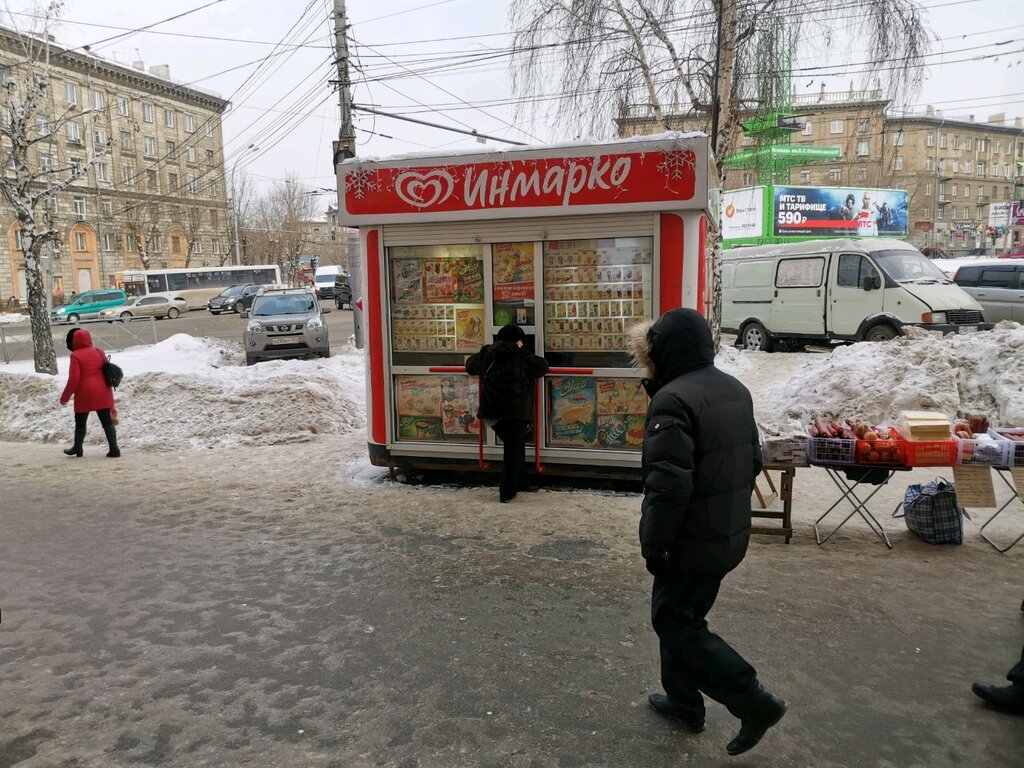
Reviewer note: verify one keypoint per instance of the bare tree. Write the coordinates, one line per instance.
(36, 172)
(277, 224)
(697, 63)
(193, 219)
(142, 223)
(242, 207)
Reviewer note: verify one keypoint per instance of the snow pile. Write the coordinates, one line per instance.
(978, 373)
(732, 360)
(189, 393)
(12, 317)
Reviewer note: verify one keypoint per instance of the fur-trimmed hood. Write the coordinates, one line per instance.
(677, 342)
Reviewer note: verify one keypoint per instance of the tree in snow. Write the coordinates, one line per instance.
(192, 218)
(278, 224)
(698, 63)
(36, 172)
(142, 225)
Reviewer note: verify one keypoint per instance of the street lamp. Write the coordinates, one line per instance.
(234, 198)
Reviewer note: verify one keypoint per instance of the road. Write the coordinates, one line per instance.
(199, 323)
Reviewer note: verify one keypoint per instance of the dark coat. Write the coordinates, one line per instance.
(85, 379)
(532, 366)
(701, 450)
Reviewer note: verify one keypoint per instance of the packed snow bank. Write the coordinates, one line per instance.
(7, 318)
(189, 393)
(978, 373)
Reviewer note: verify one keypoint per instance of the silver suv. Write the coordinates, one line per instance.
(285, 322)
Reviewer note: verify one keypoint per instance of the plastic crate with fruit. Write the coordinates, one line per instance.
(831, 450)
(1014, 436)
(888, 451)
(982, 450)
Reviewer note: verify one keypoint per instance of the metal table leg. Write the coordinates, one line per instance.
(1014, 497)
(848, 489)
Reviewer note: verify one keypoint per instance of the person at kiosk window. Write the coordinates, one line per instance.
(701, 455)
(507, 371)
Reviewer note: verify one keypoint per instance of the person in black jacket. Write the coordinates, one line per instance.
(701, 455)
(507, 371)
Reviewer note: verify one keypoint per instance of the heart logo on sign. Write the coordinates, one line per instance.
(424, 189)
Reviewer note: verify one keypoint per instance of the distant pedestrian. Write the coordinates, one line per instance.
(701, 456)
(88, 386)
(507, 371)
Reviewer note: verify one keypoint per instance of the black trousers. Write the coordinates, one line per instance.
(513, 466)
(694, 660)
(81, 419)
(1016, 675)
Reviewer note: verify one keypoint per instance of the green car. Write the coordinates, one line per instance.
(88, 305)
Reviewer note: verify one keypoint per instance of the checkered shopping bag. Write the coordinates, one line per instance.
(932, 513)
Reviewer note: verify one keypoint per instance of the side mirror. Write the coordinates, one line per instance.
(870, 283)
(325, 310)
(244, 314)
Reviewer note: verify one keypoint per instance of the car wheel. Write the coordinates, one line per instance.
(173, 312)
(73, 319)
(880, 332)
(238, 309)
(755, 337)
(214, 313)
(125, 316)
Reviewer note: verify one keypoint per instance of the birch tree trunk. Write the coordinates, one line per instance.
(43, 354)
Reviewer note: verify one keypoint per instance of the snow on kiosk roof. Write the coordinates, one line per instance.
(666, 172)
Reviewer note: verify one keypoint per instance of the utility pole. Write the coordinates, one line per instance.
(346, 146)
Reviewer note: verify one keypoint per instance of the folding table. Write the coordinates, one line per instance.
(1015, 496)
(848, 492)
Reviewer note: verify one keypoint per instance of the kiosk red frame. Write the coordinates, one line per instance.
(575, 243)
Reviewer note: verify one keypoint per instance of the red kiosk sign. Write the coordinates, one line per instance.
(643, 175)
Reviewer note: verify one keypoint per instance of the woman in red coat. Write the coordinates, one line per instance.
(89, 388)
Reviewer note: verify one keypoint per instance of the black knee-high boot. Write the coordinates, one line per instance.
(76, 449)
(111, 432)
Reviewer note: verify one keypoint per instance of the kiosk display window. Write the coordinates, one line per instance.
(594, 290)
(596, 412)
(513, 280)
(437, 302)
(431, 408)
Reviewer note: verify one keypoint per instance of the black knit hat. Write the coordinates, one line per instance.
(511, 333)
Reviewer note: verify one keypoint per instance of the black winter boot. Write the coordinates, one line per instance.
(111, 433)
(76, 449)
(763, 710)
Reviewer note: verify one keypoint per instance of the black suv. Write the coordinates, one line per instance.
(234, 298)
(342, 291)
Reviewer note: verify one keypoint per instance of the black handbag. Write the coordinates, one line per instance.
(112, 373)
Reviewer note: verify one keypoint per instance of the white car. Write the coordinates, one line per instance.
(154, 305)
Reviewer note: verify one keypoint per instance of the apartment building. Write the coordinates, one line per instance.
(954, 168)
(157, 196)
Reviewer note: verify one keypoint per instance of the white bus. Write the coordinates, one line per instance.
(197, 285)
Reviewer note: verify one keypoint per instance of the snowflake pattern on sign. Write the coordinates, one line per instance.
(675, 162)
(361, 181)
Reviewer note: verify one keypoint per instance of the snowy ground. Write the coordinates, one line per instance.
(7, 318)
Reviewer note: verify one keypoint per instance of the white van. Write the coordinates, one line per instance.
(323, 281)
(854, 290)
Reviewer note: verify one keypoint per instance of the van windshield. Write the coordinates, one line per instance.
(325, 278)
(906, 266)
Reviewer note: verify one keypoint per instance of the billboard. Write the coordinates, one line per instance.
(743, 213)
(999, 215)
(839, 212)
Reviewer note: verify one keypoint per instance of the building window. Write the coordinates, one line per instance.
(967, 190)
(149, 146)
(938, 213)
(967, 166)
(147, 112)
(980, 212)
(942, 141)
(863, 125)
(862, 174)
(213, 217)
(805, 177)
(97, 99)
(835, 174)
(150, 179)
(995, 146)
(190, 154)
(863, 147)
(44, 162)
(982, 145)
(897, 163)
(128, 175)
(956, 142)
(74, 132)
(126, 140)
(926, 212)
(995, 169)
(897, 139)
(170, 147)
(172, 183)
(837, 126)
(929, 164)
(122, 107)
(929, 140)
(216, 246)
(101, 137)
(175, 245)
(748, 178)
(106, 208)
(942, 165)
(129, 243)
(208, 128)
(169, 118)
(193, 185)
(981, 167)
(995, 192)
(969, 144)
(928, 189)
(952, 212)
(42, 125)
(197, 247)
(1006, 171)
(190, 123)
(953, 190)
(942, 190)
(109, 241)
(70, 93)
(103, 171)
(79, 241)
(209, 157)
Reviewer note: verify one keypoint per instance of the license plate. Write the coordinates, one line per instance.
(968, 328)
(284, 340)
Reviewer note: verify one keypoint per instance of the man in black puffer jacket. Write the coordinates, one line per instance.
(507, 371)
(700, 459)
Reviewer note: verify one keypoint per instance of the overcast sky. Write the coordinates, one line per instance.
(295, 82)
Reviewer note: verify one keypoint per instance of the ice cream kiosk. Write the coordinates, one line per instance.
(574, 243)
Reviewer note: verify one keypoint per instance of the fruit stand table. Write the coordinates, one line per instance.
(785, 493)
(848, 492)
(1015, 496)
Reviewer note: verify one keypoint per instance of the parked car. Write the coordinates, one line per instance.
(285, 323)
(234, 298)
(342, 291)
(88, 305)
(997, 285)
(154, 305)
(1016, 252)
(846, 289)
